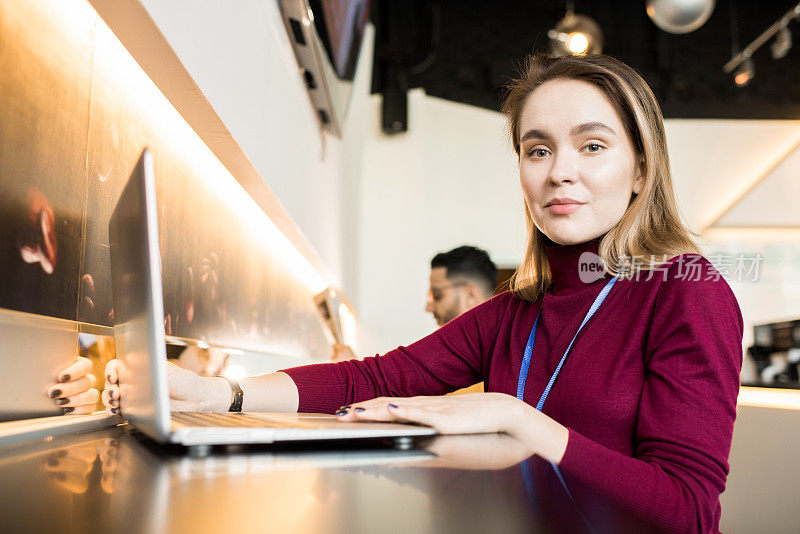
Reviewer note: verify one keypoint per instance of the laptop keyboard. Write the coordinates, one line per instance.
(214, 419)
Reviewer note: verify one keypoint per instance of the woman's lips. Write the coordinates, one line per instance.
(563, 209)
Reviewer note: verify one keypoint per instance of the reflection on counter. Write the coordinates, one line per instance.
(72, 467)
(112, 479)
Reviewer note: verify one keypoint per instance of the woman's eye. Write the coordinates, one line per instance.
(538, 152)
(593, 148)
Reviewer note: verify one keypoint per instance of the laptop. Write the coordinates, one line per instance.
(140, 344)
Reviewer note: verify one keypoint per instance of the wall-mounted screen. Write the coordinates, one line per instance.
(326, 36)
(340, 26)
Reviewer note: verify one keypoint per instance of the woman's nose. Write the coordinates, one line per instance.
(563, 169)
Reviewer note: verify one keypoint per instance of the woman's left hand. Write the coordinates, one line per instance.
(470, 413)
(75, 392)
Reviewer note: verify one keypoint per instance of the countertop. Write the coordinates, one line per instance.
(115, 480)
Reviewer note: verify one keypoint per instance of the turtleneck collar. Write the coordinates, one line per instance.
(564, 263)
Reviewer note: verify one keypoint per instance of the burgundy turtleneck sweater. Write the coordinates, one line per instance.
(648, 391)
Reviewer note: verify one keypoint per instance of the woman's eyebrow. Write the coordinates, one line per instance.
(534, 134)
(576, 130)
(590, 127)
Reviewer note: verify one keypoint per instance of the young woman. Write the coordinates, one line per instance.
(626, 376)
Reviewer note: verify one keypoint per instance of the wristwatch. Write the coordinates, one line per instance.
(237, 395)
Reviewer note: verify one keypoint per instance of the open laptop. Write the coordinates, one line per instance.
(140, 343)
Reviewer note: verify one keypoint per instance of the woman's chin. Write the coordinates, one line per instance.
(572, 237)
(566, 230)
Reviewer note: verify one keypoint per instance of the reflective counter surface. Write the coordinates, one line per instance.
(114, 480)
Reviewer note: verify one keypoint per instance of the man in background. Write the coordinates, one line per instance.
(460, 279)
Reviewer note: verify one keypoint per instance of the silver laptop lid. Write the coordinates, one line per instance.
(139, 304)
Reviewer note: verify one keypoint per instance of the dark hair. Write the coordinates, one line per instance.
(469, 262)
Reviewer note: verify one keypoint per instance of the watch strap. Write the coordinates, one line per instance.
(237, 395)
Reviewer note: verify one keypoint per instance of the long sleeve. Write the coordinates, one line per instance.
(687, 408)
(450, 358)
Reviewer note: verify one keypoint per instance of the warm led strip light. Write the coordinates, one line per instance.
(785, 399)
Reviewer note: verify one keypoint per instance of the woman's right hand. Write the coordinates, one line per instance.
(188, 391)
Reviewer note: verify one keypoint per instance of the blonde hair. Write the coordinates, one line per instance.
(651, 227)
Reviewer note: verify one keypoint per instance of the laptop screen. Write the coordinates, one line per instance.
(138, 303)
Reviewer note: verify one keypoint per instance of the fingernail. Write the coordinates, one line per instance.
(115, 411)
(341, 411)
(68, 409)
(52, 462)
(65, 378)
(110, 393)
(392, 406)
(345, 407)
(62, 401)
(360, 409)
(55, 393)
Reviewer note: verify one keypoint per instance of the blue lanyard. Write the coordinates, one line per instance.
(526, 358)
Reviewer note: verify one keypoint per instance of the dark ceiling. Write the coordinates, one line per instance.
(466, 50)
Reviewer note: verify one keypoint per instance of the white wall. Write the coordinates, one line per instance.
(715, 161)
(450, 180)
